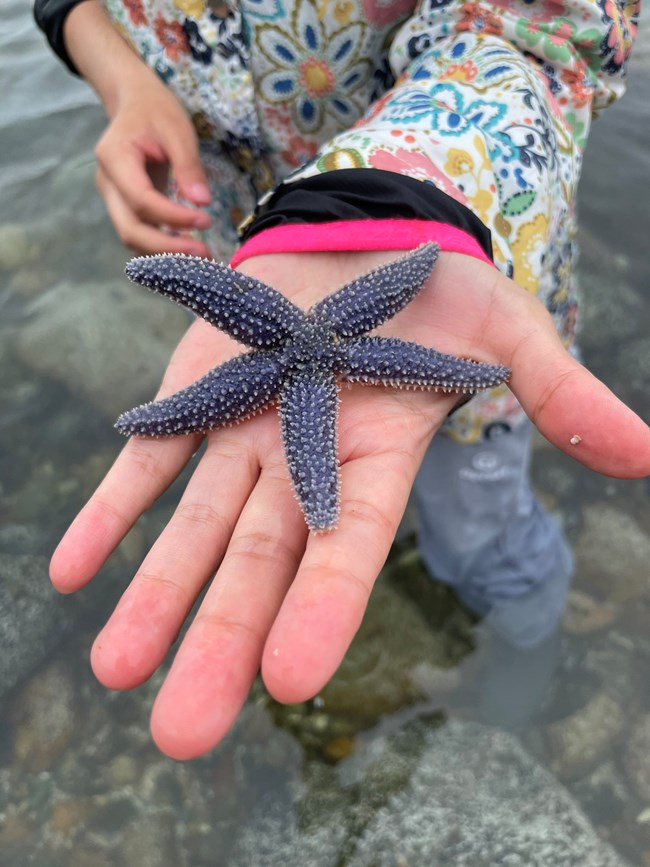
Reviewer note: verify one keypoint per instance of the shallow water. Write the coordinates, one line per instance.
(363, 774)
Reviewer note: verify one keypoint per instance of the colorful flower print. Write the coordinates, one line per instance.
(528, 249)
(199, 50)
(464, 72)
(580, 87)
(558, 39)
(415, 165)
(264, 10)
(341, 10)
(313, 71)
(172, 37)
(299, 151)
(444, 106)
(341, 158)
(136, 12)
(618, 42)
(192, 8)
(479, 19)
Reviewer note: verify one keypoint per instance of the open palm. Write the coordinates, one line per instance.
(282, 599)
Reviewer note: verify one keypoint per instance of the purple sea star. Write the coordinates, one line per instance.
(297, 358)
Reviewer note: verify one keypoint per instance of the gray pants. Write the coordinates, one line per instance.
(483, 531)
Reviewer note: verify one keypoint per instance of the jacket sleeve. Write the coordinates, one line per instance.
(492, 105)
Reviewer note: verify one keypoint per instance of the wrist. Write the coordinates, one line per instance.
(103, 57)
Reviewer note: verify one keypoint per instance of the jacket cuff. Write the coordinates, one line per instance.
(361, 209)
(50, 16)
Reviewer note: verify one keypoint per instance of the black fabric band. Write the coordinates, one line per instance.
(363, 194)
(49, 16)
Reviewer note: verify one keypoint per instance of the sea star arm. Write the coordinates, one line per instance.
(245, 308)
(308, 409)
(390, 361)
(228, 393)
(373, 298)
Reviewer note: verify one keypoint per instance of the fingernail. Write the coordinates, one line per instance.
(201, 220)
(199, 193)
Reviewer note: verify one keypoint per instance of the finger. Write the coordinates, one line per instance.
(572, 408)
(220, 655)
(187, 169)
(125, 166)
(581, 416)
(152, 610)
(140, 474)
(325, 604)
(140, 236)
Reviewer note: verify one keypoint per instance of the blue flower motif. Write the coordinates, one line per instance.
(315, 72)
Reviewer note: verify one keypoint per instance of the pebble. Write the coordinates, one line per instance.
(612, 554)
(636, 757)
(122, 771)
(70, 813)
(17, 246)
(150, 842)
(339, 748)
(584, 614)
(43, 718)
(580, 740)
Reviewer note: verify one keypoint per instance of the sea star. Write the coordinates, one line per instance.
(297, 358)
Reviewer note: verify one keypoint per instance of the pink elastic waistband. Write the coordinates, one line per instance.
(359, 235)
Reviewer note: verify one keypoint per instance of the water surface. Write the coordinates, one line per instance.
(363, 774)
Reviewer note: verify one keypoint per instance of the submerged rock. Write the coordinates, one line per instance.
(107, 342)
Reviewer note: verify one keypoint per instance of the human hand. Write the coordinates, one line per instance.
(149, 136)
(283, 600)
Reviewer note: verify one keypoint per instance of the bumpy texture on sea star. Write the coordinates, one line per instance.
(296, 359)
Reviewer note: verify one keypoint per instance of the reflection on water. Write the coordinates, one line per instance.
(391, 764)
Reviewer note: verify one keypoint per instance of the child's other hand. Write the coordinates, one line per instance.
(148, 137)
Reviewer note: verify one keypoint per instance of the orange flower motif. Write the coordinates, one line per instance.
(479, 19)
(136, 13)
(581, 91)
(464, 72)
(171, 36)
(299, 151)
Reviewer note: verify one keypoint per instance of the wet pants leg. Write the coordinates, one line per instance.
(483, 532)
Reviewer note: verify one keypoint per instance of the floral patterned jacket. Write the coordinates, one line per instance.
(491, 102)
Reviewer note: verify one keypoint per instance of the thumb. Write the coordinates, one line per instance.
(189, 174)
(575, 410)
